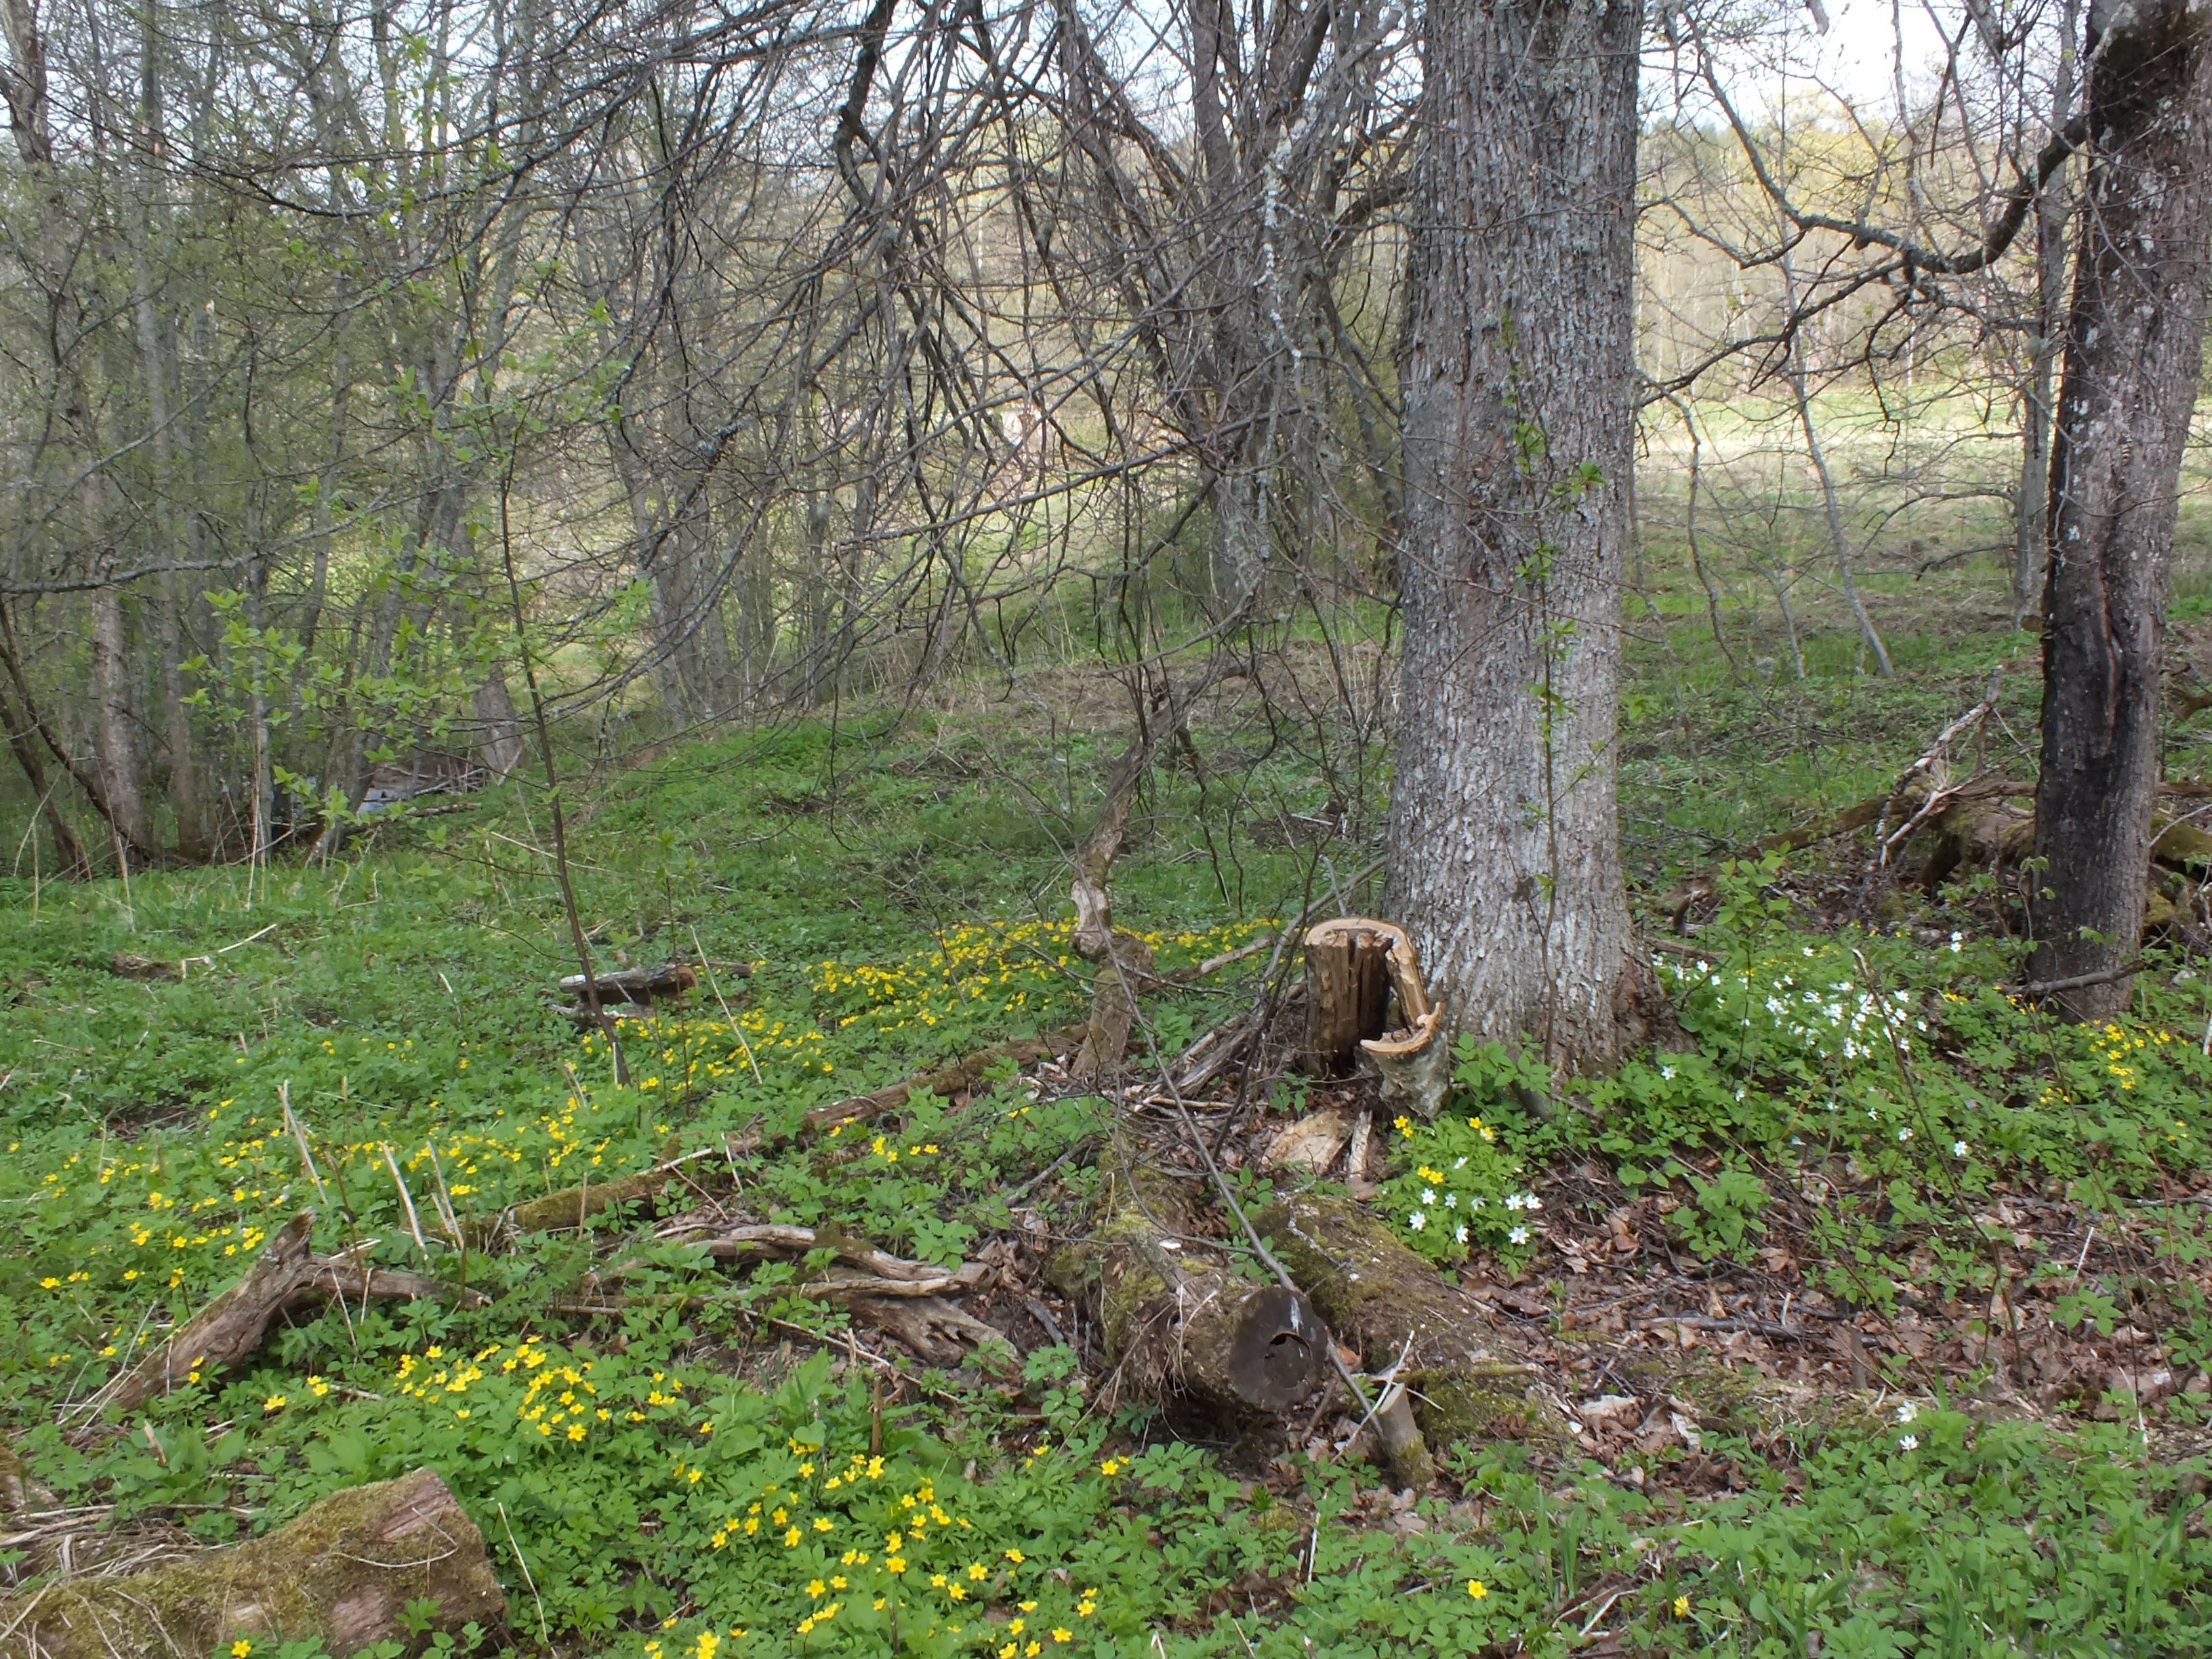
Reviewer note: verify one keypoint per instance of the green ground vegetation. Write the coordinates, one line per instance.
(702, 1473)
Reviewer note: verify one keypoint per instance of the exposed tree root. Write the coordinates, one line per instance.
(230, 1327)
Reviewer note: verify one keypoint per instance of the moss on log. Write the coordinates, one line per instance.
(1468, 1378)
(343, 1573)
(1180, 1327)
(573, 1206)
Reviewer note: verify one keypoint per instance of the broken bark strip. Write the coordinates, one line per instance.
(1465, 1377)
(229, 1329)
(344, 1572)
(1181, 1328)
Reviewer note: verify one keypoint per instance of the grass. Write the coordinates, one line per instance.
(708, 1471)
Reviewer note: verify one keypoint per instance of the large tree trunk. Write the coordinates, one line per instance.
(1506, 860)
(2132, 352)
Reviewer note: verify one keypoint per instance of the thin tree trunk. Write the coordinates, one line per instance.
(1504, 836)
(176, 714)
(1839, 541)
(118, 733)
(86, 774)
(2032, 510)
(78, 866)
(499, 733)
(2133, 348)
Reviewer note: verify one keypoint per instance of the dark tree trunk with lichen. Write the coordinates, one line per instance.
(2133, 348)
(1504, 843)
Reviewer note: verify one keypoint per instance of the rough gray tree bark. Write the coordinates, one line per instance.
(1506, 862)
(2133, 348)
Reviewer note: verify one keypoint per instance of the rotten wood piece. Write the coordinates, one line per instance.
(343, 1573)
(230, 1328)
(628, 992)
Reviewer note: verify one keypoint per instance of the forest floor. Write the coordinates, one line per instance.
(1873, 1319)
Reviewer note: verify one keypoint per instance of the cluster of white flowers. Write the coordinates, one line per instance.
(1839, 1020)
(1418, 1220)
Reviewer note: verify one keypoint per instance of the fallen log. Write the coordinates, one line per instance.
(1348, 991)
(1181, 1328)
(571, 1208)
(671, 978)
(230, 1328)
(625, 993)
(344, 1572)
(959, 1076)
(1466, 1377)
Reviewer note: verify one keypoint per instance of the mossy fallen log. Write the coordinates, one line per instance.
(1180, 1326)
(1468, 1377)
(343, 1573)
(572, 1207)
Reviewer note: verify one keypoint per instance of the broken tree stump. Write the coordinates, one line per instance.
(1347, 991)
(230, 1328)
(1354, 966)
(344, 1572)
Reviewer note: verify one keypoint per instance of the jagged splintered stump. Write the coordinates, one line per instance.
(1353, 965)
(343, 1573)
